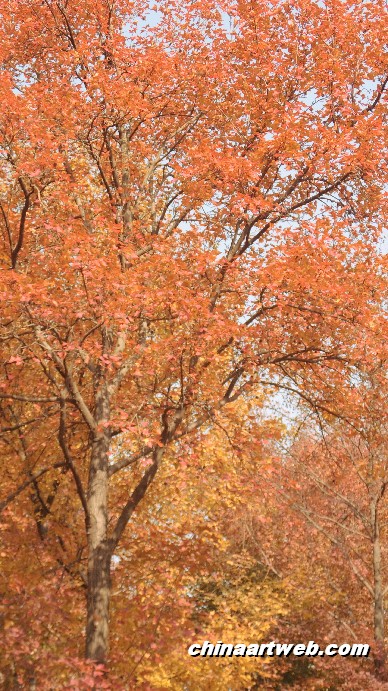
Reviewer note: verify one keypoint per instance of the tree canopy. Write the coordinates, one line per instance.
(191, 206)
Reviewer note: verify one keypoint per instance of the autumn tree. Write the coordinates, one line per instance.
(337, 482)
(187, 208)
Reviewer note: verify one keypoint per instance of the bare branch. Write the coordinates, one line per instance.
(65, 450)
(34, 477)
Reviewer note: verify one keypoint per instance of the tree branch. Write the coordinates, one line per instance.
(34, 477)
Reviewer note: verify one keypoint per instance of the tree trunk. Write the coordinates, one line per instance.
(378, 597)
(99, 549)
(98, 599)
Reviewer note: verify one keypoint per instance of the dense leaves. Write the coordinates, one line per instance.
(191, 205)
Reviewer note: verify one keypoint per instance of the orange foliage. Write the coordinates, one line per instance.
(190, 205)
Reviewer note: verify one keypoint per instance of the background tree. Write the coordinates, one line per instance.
(338, 485)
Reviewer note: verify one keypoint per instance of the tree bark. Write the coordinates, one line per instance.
(379, 624)
(99, 548)
(98, 600)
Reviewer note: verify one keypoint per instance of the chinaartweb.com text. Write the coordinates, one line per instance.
(312, 649)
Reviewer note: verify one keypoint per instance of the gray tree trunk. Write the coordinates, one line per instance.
(378, 604)
(99, 549)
